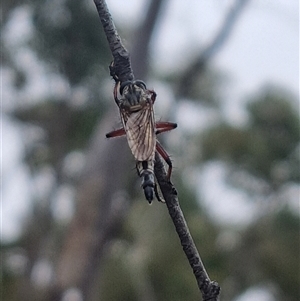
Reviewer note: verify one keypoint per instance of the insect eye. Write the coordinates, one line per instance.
(123, 85)
(140, 84)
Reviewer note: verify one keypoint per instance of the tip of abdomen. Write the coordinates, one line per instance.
(149, 193)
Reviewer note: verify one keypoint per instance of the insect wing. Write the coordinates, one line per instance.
(140, 131)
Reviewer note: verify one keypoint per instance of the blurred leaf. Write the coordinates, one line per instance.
(270, 251)
(66, 128)
(67, 38)
(271, 137)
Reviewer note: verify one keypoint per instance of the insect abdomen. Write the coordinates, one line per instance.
(145, 170)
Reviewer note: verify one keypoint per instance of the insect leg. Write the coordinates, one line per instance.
(116, 93)
(162, 126)
(166, 157)
(116, 133)
(153, 96)
(112, 71)
(157, 194)
(165, 126)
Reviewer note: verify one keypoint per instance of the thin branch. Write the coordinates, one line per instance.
(121, 68)
(210, 290)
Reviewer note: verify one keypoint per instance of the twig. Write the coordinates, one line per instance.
(121, 67)
(210, 290)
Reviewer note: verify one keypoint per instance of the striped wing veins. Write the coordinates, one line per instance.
(139, 126)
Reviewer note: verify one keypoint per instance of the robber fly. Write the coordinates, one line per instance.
(140, 128)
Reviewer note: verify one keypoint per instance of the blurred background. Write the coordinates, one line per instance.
(74, 221)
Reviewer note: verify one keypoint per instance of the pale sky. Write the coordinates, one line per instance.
(264, 47)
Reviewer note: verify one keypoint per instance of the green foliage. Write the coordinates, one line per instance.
(271, 137)
(67, 38)
(270, 250)
(280, 253)
(206, 87)
(67, 128)
(274, 128)
(117, 283)
(225, 142)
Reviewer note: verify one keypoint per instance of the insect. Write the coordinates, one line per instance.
(140, 128)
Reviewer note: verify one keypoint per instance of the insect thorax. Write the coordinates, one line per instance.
(134, 98)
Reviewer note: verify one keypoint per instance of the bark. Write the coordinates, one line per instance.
(120, 69)
(210, 290)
